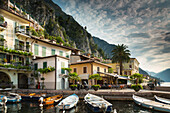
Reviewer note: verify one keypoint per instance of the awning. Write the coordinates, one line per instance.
(84, 76)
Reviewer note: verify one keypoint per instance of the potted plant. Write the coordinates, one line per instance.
(73, 77)
(2, 19)
(95, 77)
(137, 77)
(96, 87)
(5, 60)
(73, 87)
(136, 87)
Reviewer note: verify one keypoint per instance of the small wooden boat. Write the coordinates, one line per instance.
(162, 100)
(68, 102)
(13, 98)
(151, 104)
(32, 96)
(97, 104)
(52, 99)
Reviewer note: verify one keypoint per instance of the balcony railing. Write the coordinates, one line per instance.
(22, 47)
(22, 29)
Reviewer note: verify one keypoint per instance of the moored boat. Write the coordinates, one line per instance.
(162, 100)
(68, 102)
(52, 99)
(97, 104)
(13, 98)
(3, 100)
(151, 104)
(32, 96)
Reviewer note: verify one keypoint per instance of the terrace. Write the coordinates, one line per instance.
(23, 31)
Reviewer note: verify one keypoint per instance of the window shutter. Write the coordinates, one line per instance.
(44, 51)
(44, 65)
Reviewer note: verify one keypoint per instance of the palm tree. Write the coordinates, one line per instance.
(120, 55)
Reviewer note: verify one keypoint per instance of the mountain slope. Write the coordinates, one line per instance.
(164, 75)
(107, 48)
(141, 71)
(58, 23)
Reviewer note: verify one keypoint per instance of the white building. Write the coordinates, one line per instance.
(21, 53)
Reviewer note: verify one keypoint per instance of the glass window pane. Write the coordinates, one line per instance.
(43, 51)
(36, 49)
(52, 51)
(61, 53)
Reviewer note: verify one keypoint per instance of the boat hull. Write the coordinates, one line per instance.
(68, 105)
(151, 106)
(162, 100)
(97, 109)
(96, 103)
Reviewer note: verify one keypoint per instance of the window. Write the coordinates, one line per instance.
(52, 51)
(67, 55)
(36, 66)
(84, 69)
(130, 66)
(105, 70)
(75, 70)
(129, 72)
(36, 49)
(61, 53)
(44, 65)
(125, 73)
(43, 51)
(62, 66)
(27, 46)
(98, 69)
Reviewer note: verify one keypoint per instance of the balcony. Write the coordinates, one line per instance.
(2, 41)
(21, 47)
(3, 23)
(23, 31)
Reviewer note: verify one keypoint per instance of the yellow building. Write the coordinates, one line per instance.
(88, 67)
(129, 68)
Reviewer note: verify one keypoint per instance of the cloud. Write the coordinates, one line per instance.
(143, 25)
(143, 35)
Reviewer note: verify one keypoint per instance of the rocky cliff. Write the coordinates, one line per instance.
(58, 23)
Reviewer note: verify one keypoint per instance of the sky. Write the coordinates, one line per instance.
(142, 25)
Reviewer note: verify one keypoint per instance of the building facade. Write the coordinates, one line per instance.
(88, 67)
(22, 53)
(129, 68)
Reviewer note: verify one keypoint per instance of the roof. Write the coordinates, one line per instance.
(36, 38)
(15, 14)
(89, 61)
(51, 56)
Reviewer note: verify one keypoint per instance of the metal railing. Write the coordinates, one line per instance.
(22, 47)
(23, 30)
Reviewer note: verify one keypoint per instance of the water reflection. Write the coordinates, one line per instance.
(33, 107)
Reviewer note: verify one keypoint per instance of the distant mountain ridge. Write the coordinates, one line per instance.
(141, 71)
(107, 48)
(164, 75)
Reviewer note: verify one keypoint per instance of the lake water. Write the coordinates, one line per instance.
(33, 107)
(167, 84)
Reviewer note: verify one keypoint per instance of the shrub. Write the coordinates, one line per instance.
(73, 85)
(34, 32)
(136, 86)
(93, 86)
(59, 39)
(2, 19)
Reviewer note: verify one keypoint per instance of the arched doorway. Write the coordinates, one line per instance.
(22, 81)
(5, 80)
(63, 83)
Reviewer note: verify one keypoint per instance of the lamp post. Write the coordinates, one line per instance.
(116, 80)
